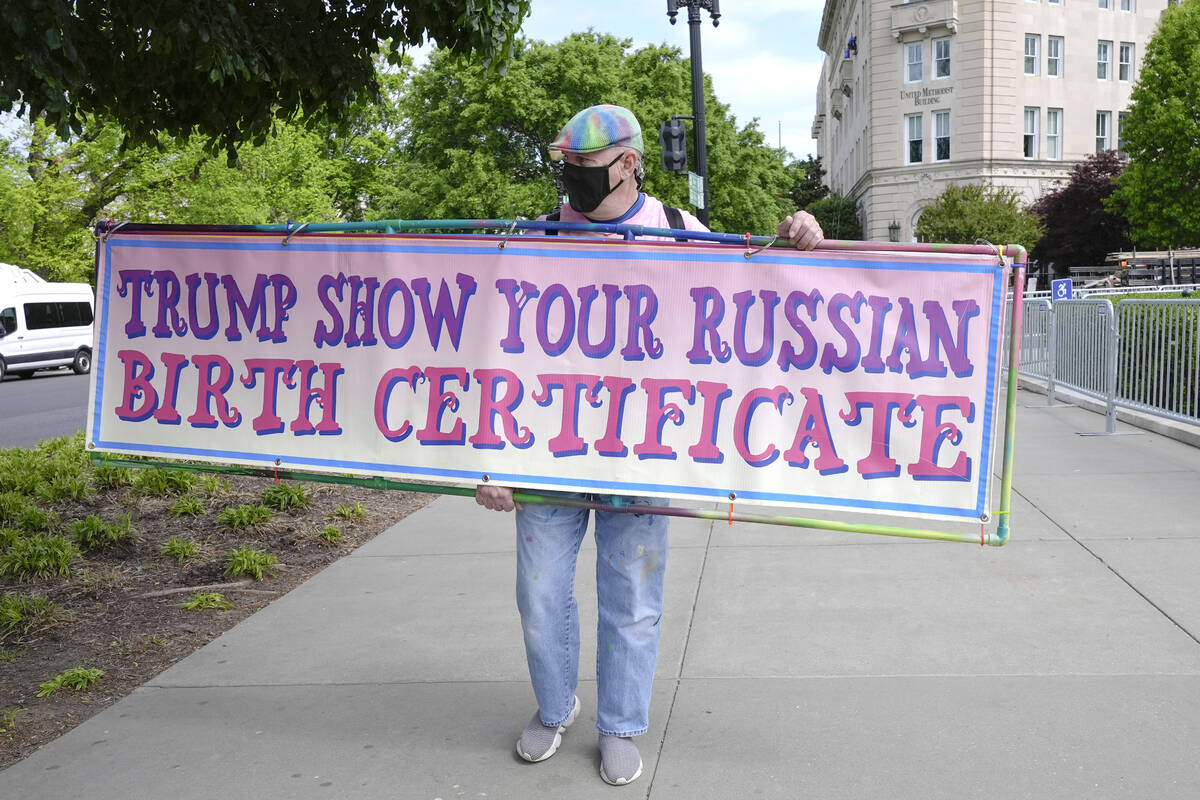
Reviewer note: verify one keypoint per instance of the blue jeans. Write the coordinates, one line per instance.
(631, 563)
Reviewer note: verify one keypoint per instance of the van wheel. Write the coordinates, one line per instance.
(82, 364)
(3, 369)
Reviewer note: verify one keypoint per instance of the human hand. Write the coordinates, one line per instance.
(801, 230)
(496, 498)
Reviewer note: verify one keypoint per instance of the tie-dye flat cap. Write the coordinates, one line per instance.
(596, 128)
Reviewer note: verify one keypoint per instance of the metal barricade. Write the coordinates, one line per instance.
(1085, 351)
(1158, 364)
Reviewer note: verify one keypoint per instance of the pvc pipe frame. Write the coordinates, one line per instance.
(1016, 253)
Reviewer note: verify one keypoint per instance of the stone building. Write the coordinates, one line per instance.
(921, 95)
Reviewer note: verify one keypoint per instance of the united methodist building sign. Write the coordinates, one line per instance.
(927, 96)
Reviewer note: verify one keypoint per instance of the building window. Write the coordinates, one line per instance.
(1128, 5)
(1105, 3)
(1055, 2)
(1054, 133)
(1122, 118)
(1031, 131)
(1054, 56)
(941, 58)
(914, 136)
(1103, 131)
(941, 136)
(914, 69)
(1103, 60)
(1033, 44)
(1125, 61)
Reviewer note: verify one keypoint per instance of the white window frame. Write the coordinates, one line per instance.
(1054, 137)
(1029, 139)
(1034, 55)
(1104, 56)
(1055, 61)
(1103, 131)
(1129, 5)
(939, 59)
(909, 49)
(941, 130)
(1105, 4)
(909, 119)
(1124, 64)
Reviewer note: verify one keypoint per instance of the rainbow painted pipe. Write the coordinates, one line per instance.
(290, 230)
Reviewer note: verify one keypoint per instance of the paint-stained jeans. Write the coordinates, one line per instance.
(630, 566)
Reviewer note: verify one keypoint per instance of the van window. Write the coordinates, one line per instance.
(39, 316)
(8, 321)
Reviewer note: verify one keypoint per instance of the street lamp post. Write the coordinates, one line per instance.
(713, 7)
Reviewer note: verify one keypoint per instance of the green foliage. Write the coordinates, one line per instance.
(11, 506)
(188, 507)
(26, 615)
(1158, 190)
(78, 678)
(838, 216)
(354, 512)
(208, 600)
(809, 186)
(35, 520)
(286, 496)
(164, 482)
(112, 477)
(962, 214)
(245, 517)
(1079, 230)
(229, 70)
(8, 537)
(8, 721)
(93, 533)
(39, 556)
(475, 143)
(213, 485)
(180, 549)
(250, 562)
(330, 534)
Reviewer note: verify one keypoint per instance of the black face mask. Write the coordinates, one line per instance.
(588, 186)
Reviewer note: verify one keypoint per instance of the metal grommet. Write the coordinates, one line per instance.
(486, 478)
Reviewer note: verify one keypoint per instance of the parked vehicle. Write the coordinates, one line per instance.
(44, 325)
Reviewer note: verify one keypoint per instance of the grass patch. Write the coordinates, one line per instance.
(78, 678)
(36, 520)
(164, 482)
(351, 513)
(112, 477)
(245, 517)
(93, 533)
(252, 563)
(8, 537)
(26, 615)
(39, 556)
(213, 485)
(8, 722)
(188, 507)
(330, 534)
(286, 497)
(11, 506)
(180, 549)
(208, 600)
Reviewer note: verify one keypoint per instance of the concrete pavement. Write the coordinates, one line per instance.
(793, 663)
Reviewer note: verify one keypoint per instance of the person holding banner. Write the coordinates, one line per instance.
(602, 175)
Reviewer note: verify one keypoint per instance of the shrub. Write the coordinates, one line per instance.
(164, 482)
(93, 533)
(112, 477)
(188, 507)
(23, 615)
(35, 520)
(330, 533)
(11, 506)
(208, 600)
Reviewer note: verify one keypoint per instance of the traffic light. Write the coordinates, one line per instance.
(672, 135)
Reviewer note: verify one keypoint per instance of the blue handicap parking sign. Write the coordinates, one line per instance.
(1062, 289)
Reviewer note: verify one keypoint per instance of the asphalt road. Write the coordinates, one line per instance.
(51, 403)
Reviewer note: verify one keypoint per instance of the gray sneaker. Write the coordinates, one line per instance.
(539, 741)
(620, 762)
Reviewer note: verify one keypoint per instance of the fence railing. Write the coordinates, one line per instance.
(1143, 355)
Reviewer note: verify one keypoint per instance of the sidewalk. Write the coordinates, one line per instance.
(794, 663)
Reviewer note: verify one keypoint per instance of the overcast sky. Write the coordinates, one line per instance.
(763, 57)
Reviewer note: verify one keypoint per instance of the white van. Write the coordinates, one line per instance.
(43, 325)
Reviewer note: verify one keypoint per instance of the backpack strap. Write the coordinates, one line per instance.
(555, 217)
(675, 220)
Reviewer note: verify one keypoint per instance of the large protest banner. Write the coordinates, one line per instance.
(847, 381)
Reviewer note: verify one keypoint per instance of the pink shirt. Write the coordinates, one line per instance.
(647, 211)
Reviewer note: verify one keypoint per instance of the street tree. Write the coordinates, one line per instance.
(1159, 191)
(964, 214)
(1079, 229)
(474, 144)
(809, 186)
(229, 71)
(838, 216)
